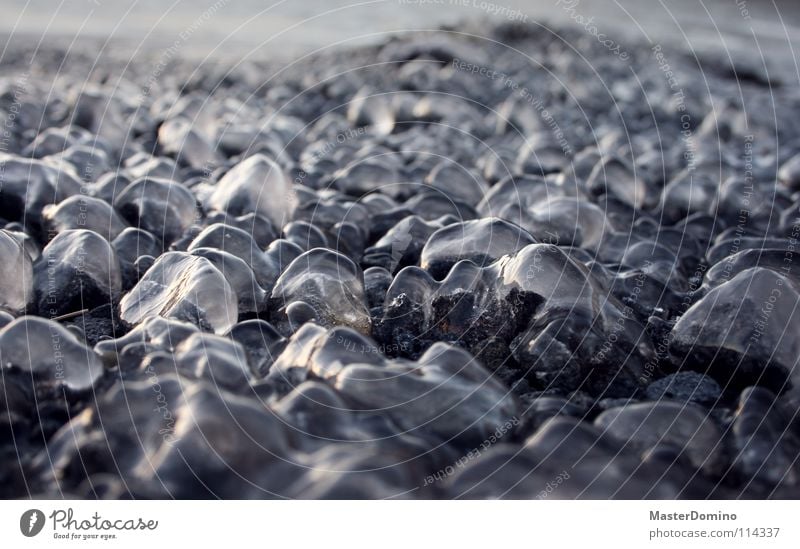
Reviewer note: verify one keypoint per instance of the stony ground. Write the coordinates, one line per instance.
(528, 265)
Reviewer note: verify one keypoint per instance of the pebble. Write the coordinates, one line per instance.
(409, 281)
(738, 333)
(443, 383)
(402, 245)
(131, 245)
(16, 265)
(324, 286)
(155, 333)
(789, 173)
(251, 297)
(240, 244)
(88, 162)
(766, 446)
(173, 430)
(481, 241)
(686, 387)
(180, 139)
(77, 270)
(457, 183)
(50, 353)
(568, 459)
(183, 287)
(613, 176)
(261, 342)
(162, 207)
(256, 184)
(687, 427)
(84, 212)
(29, 185)
(218, 359)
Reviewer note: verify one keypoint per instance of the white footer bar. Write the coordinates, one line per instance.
(400, 524)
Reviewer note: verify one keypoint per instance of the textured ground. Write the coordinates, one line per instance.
(525, 265)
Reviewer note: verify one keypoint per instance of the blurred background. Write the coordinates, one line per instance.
(287, 28)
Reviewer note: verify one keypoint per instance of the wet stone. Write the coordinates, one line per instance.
(431, 206)
(789, 173)
(16, 404)
(143, 165)
(730, 246)
(608, 352)
(569, 459)
(29, 243)
(54, 140)
(305, 235)
(454, 181)
(254, 224)
(376, 283)
(563, 296)
(227, 445)
(319, 415)
(180, 139)
(157, 333)
(108, 186)
(772, 259)
(89, 162)
(326, 213)
(615, 177)
(5, 319)
(565, 221)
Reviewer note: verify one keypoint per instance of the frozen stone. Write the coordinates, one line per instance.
(455, 397)
(184, 287)
(251, 297)
(50, 353)
(84, 212)
(739, 333)
(329, 284)
(482, 242)
(16, 274)
(688, 427)
(256, 184)
(180, 139)
(77, 270)
(29, 185)
(160, 206)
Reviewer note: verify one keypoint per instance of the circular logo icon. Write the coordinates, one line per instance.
(31, 522)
